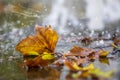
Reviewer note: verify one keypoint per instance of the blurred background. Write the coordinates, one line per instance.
(65, 16)
(68, 17)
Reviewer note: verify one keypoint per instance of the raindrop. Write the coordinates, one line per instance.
(18, 21)
(79, 34)
(101, 42)
(72, 34)
(109, 36)
(92, 33)
(117, 30)
(36, 15)
(69, 24)
(103, 33)
(22, 24)
(46, 9)
(73, 7)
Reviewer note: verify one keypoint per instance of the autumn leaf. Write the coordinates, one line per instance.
(42, 45)
(79, 51)
(96, 72)
(74, 66)
(104, 53)
(100, 73)
(89, 67)
(47, 56)
(44, 40)
(115, 46)
(76, 49)
(116, 40)
(90, 53)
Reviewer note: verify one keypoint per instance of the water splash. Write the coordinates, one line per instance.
(100, 12)
(94, 13)
(59, 17)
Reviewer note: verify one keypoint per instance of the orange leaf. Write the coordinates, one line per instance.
(79, 51)
(44, 40)
(76, 49)
(40, 47)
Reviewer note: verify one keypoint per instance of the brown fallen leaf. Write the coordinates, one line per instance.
(84, 52)
(79, 51)
(82, 56)
(44, 41)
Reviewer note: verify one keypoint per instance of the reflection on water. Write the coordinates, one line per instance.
(17, 20)
(13, 70)
(45, 73)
